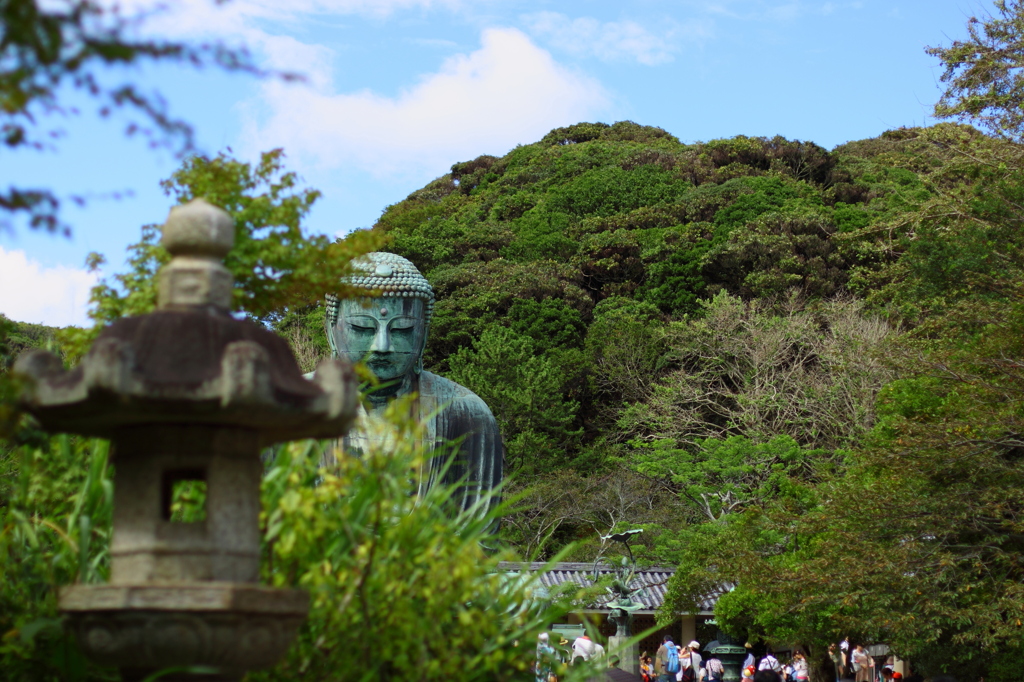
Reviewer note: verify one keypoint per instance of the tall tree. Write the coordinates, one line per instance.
(276, 265)
(984, 72)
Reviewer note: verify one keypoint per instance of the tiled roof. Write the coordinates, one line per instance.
(654, 581)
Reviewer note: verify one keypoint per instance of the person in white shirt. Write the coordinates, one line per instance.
(695, 660)
(863, 666)
(769, 662)
(583, 648)
(684, 664)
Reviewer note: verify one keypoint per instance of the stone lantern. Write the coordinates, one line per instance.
(187, 393)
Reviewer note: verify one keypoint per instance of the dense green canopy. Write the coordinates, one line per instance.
(793, 366)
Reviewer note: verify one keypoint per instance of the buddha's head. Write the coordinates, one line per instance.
(387, 332)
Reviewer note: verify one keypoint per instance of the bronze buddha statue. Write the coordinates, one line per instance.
(389, 334)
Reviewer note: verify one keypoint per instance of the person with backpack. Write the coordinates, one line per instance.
(769, 662)
(666, 661)
(716, 671)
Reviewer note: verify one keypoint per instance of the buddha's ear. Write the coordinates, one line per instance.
(329, 324)
(418, 367)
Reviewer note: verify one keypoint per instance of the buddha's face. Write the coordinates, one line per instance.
(385, 333)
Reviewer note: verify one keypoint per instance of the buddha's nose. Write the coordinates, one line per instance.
(381, 340)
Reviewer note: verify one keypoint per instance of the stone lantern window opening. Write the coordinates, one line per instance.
(185, 489)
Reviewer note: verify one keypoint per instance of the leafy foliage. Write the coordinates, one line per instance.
(795, 368)
(983, 72)
(725, 476)
(50, 49)
(376, 559)
(55, 516)
(275, 265)
(413, 581)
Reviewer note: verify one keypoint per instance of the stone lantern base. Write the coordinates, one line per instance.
(232, 627)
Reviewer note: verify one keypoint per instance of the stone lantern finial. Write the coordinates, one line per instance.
(198, 236)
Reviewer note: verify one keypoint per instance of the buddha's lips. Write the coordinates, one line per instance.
(387, 361)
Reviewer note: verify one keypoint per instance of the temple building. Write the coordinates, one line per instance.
(654, 581)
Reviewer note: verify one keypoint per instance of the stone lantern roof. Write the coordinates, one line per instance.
(190, 360)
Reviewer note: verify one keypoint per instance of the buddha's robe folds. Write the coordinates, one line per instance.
(459, 415)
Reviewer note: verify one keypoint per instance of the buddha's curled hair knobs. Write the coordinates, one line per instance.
(390, 274)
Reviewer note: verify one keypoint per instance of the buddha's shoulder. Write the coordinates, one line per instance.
(455, 395)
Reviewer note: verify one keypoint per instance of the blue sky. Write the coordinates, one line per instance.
(398, 90)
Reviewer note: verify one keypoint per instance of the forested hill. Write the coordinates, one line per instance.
(672, 335)
(605, 285)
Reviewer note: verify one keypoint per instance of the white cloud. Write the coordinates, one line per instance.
(262, 25)
(31, 292)
(613, 40)
(275, 9)
(782, 11)
(507, 92)
(833, 7)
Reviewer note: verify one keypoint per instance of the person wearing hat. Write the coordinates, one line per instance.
(695, 659)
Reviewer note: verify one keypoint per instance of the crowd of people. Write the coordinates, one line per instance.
(855, 664)
(549, 657)
(677, 663)
(672, 662)
(685, 664)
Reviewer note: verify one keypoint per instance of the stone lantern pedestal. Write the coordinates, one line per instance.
(188, 394)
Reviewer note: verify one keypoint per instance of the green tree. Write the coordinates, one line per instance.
(720, 477)
(626, 346)
(983, 72)
(762, 369)
(526, 391)
(919, 543)
(276, 265)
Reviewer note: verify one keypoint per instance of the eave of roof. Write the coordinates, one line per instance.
(651, 595)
